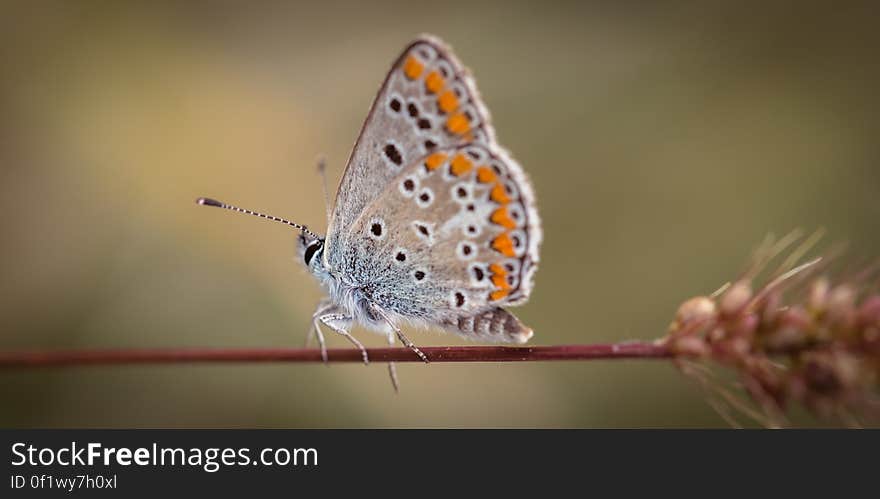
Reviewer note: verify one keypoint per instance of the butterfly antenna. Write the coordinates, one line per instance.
(220, 204)
(322, 170)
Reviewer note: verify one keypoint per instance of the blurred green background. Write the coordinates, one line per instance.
(664, 141)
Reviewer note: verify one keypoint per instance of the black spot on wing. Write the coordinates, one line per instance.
(459, 299)
(393, 154)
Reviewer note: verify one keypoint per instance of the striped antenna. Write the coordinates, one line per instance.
(220, 204)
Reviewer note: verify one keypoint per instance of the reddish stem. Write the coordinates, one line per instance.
(624, 350)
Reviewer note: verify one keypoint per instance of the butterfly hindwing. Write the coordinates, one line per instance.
(427, 102)
(450, 239)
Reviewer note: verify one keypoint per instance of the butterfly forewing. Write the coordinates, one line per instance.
(427, 102)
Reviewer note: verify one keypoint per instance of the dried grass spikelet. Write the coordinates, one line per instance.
(792, 336)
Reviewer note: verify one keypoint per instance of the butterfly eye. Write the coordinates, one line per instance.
(311, 250)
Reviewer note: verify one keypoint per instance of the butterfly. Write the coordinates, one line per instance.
(434, 224)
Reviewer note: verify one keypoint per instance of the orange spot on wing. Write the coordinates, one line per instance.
(503, 245)
(448, 101)
(461, 165)
(457, 124)
(485, 175)
(434, 82)
(501, 217)
(499, 195)
(499, 279)
(413, 68)
(434, 161)
(497, 269)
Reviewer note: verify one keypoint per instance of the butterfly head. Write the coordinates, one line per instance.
(311, 251)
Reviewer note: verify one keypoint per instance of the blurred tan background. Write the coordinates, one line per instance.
(664, 143)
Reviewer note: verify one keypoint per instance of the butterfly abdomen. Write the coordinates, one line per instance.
(495, 325)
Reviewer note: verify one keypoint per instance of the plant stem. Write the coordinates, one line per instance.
(623, 350)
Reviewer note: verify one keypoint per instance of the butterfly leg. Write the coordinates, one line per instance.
(402, 337)
(392, 368)
(324, 308)
(338, 322)
(317, 331)
(313, 331)
(409, 344)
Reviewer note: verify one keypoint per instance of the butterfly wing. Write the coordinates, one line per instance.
(427, 102)
(449, 240)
